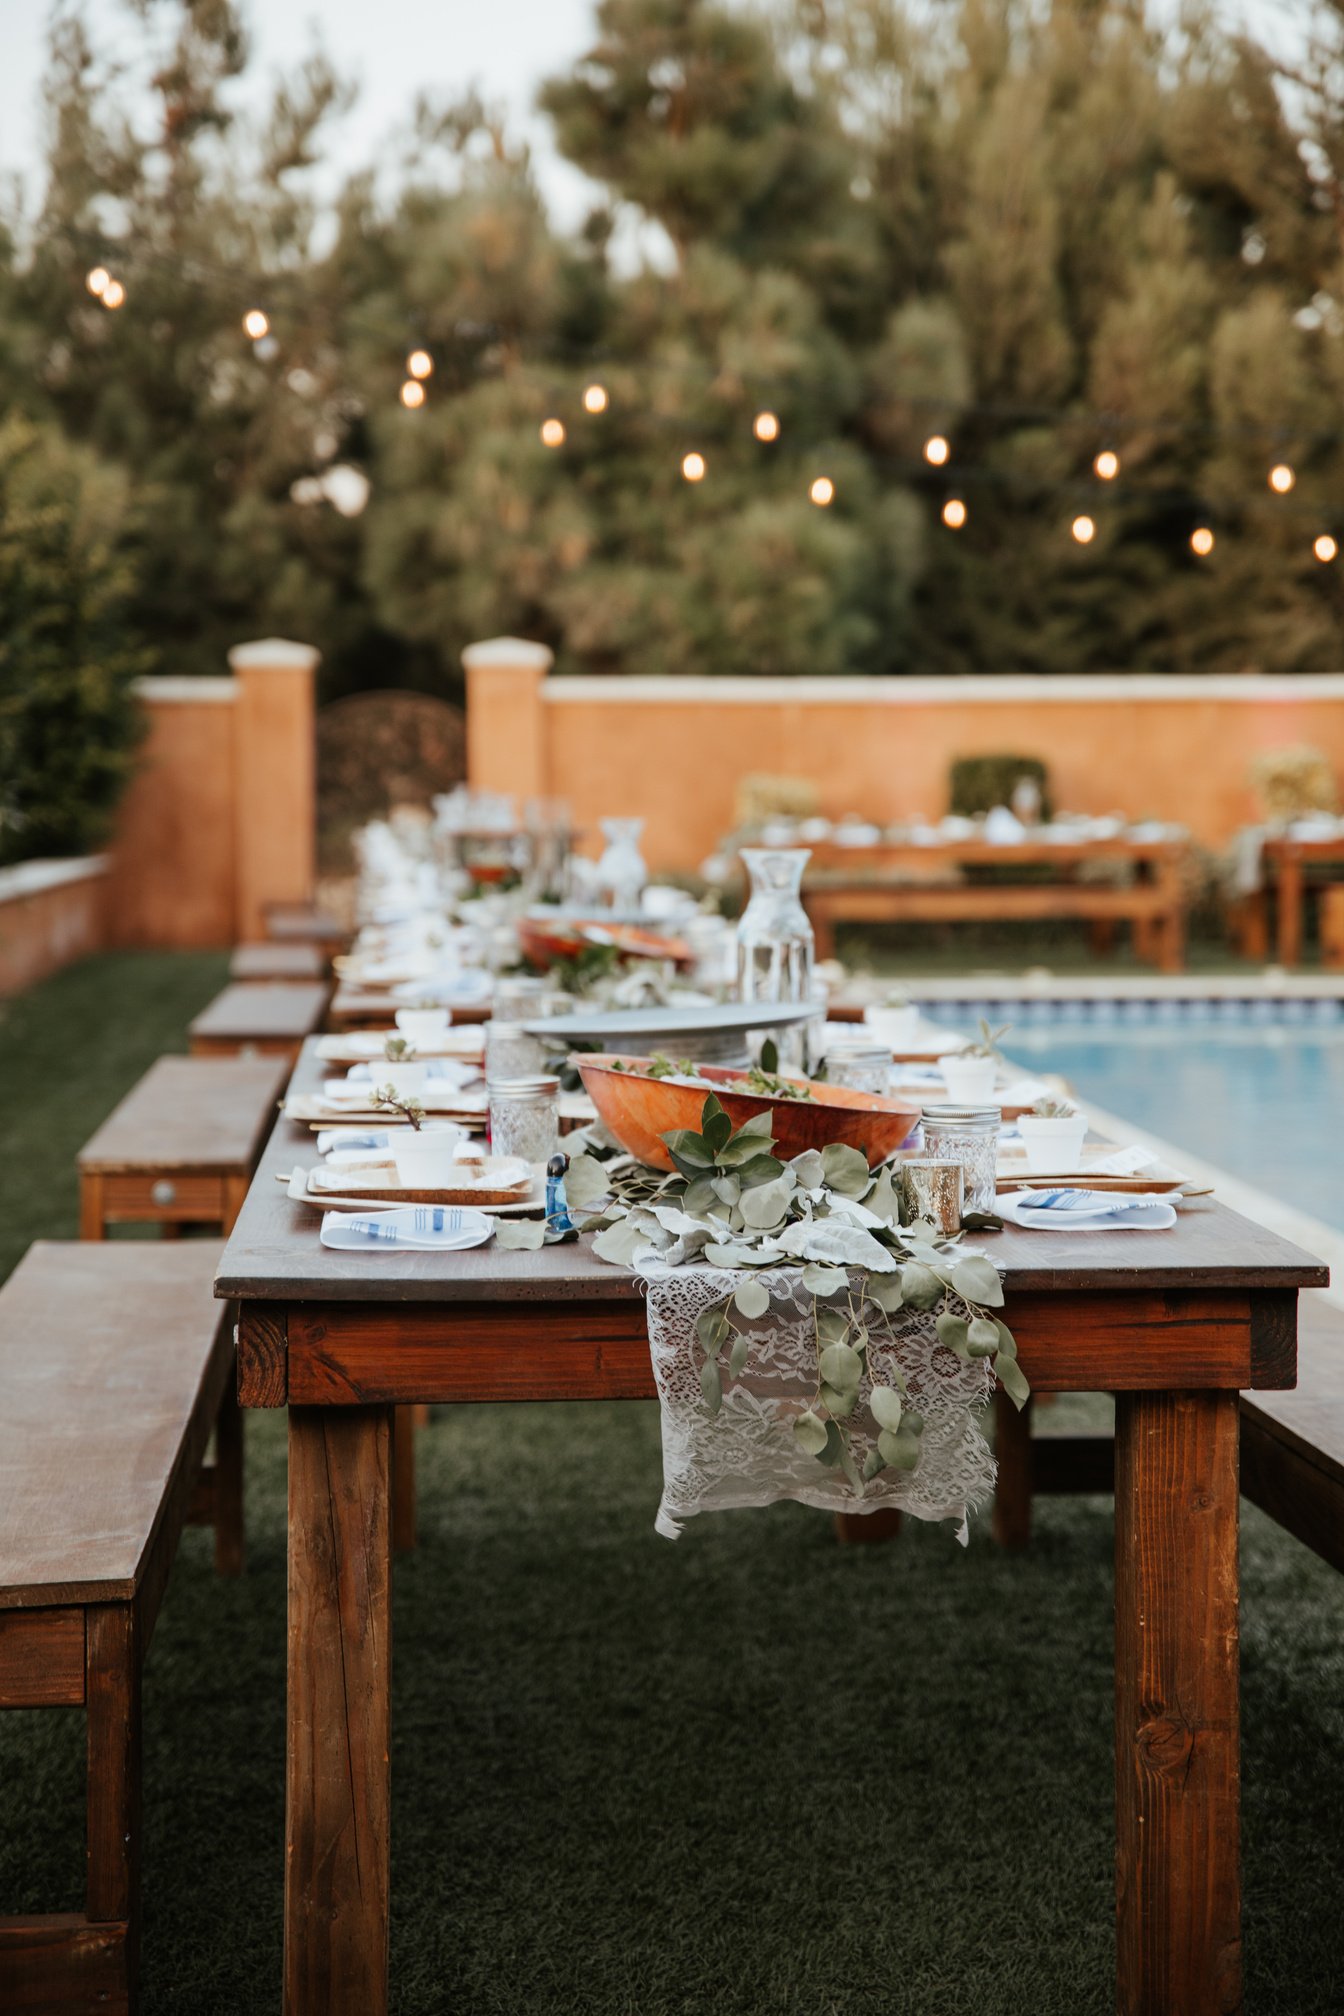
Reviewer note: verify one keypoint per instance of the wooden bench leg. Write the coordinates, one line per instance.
(112, 1704)
(403, 1478)
(229, 1537)
(91, 1224)
(1012, 1491)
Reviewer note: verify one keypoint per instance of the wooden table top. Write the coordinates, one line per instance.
(103, 1349)
(274, 1253)
(1282, 846)
(262, 1008)
(1033, 851)
(286, 959)
(200, 1113)
(362, 1006)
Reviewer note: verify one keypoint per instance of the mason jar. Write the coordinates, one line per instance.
(968, 1135)
(510, 1052)
(859, 1066)
(524, 1116)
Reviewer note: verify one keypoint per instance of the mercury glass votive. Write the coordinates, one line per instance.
(933, 1191)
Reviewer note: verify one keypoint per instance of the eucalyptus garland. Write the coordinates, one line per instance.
(733, 1204)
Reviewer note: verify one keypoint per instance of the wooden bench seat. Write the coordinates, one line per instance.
(1158, 921)
(259, 1018)
(1292, 1448)
(115, 1365)
(180, 1148)
(279, 959)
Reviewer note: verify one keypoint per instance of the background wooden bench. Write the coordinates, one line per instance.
(181, 1146)
(115, 1364)
(259, 1019)
(279, 960)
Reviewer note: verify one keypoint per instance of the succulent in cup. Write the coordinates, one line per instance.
(388, 1100)
(1053, 1109)
(988, 1046)
(398, 1049)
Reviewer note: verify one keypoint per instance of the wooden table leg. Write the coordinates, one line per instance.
(229, 1542)
(112, 1707)
(403, 1478)
(1291, 896)
(91, 1224)
(1177, 1722)
(1012, 1488)
(336, 1767)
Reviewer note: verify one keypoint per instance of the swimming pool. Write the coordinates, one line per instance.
(1256, 1087)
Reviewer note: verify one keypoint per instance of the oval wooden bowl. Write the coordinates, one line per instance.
(639, 1109)
(542, 944)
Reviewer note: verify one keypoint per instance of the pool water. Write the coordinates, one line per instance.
(1256, 1088)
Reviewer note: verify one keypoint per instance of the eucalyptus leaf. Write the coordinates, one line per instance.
(982, 1339)
(620, 1242)
(952, 1331)
(978, 1280)
(887, 1407)
(824, 1280)
(1013, 1380)
(727, 1189)
(711, 1386)
(711, 1327)
(851, 1470)
(873, 1465)
(734, 1253)
(901, 1450)
(752, 1298)
(700, 1195)
(835, 1443)
(840, 1401)
(737, 1357)
(841, 1367)
(846, 1170)
(586, 1181)
(684, 1146)
(717, 1130)
(837, 1244)
(810, 1432)
(808, 1169)
(832, 1325)
(1007, 1341)
(760, 1169)
(520, 1234)
(883, 1200)
(920, 1286)
(766, 1205)
(888, 1294)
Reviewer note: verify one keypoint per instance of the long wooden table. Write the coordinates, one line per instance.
(1174, 1323)
(1286, 862)
(903, 883)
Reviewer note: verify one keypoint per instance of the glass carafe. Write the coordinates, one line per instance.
(621, 873)
(774, 937)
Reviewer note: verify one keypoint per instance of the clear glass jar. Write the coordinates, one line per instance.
(525, 1116)
(774, 939)
(621, 872)
(518, 997)
(968, 1135)
(859, 1067)
(510, 1052)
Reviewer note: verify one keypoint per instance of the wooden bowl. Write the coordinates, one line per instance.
(542, 944)
(639, 1109)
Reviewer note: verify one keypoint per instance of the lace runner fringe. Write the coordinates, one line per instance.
(747, 1455)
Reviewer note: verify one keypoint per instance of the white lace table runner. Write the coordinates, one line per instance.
(746, 1454)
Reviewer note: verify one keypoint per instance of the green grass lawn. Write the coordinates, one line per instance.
(751, 1774)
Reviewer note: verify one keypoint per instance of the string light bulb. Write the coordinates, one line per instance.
(1083, 529)
(113, 294)
(419, 364)
(766, 426)
(553, 433)
(1107, 465)
(936, 450)
(1325, 548)
(1201, 541)
(96, 280)
(693, 467)
(1282, 478)
(256, 323)
(954, 514)
(412, 394)
(822, 490)
(595, 399)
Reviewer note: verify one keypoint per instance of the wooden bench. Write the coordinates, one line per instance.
(115, 1365)
(1292, 1448)
(304, 923)
(181, 1146)
(281, 959)
(259, 1019)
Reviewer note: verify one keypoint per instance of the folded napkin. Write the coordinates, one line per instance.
(1069, 1210)
(442, 989)
(444, 1228)
(440, 1070)
(338, 1137)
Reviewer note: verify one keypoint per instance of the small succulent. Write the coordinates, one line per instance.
(389, 1101)
(988, 1046)
(1053, 1109)
(398, 1049)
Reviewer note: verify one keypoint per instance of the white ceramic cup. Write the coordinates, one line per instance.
(1053, 1145)
(406, 1080)
(426, 1159)
(423, 1025)
(969, 1080)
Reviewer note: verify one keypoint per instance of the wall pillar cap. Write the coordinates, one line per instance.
(517, 653)
(274, 654)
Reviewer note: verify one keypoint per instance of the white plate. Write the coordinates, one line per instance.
(437, 1228)
(300, 1192)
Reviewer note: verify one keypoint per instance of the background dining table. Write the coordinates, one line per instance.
(1173, 1323)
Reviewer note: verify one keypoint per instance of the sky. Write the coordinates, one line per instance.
(393, 48)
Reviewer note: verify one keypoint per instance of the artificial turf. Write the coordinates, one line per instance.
(749, 1774)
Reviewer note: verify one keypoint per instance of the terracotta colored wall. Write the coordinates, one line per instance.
(50, 913)
(675, 750)
(220, 818)
(173, 865)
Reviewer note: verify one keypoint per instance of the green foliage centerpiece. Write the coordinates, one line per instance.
(823, 1218)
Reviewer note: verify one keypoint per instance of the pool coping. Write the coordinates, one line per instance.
(1272, 984)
